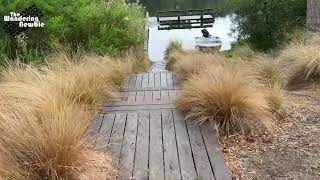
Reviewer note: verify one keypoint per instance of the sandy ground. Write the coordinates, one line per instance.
(292, 152)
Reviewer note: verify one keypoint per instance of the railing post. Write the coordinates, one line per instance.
(179, 19)
(158, 19)
(201, 19)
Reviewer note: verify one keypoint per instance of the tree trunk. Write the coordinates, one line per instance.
(313, 15)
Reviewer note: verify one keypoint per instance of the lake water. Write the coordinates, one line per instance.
(159, 39)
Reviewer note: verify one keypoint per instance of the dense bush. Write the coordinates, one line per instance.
(266, 24)
(93, 25)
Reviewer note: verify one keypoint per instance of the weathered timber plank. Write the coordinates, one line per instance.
(156, 166)
(132, 82)
(128, 147)
(215, 154)
(105, 131)
(116, 137)
(132, 97)
(156, 96)
(94, 128)
(164, 95)
(105, 110)
(140, 97)
(199, 153)
(163, 79)
(157, 79)
(152, 89)
(118, 104)
(171, 159)
(172, 94)
(170, 79)
(145, 80)
(188, 170)
(141, 155)
(138, 81)
(151, 80)
(148, 97)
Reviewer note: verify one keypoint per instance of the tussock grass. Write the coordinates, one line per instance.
(174, 45)
(266, 69)
(225, 95)
(44, 114)
(275, 97)
(194, 62)
(301, 63)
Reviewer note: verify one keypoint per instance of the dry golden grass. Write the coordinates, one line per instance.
(275, 97)
(301, 63)
(193, 62)
(44, 114)
(225, 95)
(266, 69)
(173, 57)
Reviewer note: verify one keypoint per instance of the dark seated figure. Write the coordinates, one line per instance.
(205, 33)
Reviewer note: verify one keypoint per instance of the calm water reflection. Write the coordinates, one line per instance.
(159, 40)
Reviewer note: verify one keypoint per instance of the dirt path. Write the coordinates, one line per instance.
(293, 152)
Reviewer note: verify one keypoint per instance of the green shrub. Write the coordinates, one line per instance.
(267, 24)
(93, 25)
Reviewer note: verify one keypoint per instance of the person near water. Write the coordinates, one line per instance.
(205, 33)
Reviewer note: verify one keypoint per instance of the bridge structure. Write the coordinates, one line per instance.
(185, 19)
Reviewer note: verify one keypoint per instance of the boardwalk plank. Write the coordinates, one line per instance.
(169, 79)
(129, 145)
(140, 97)
(145, 80)
(157, 79)
(137, 108)
(156, 168)
(156, 96)
(199, 153)
(148, 97)
(163, 79)
(188, 170)
(145, 102)
(94, 128)
(139, 81)
(151, 80)
(171, 162)
(116, 137)
(141, 155)
(105, 132)
(172, 94)
(164, 94)
(152, 89)
(215, 154)
(132, 82)
(132, 97)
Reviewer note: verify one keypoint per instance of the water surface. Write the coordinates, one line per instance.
(159, 40)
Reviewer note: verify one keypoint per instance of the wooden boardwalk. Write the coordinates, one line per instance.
(149, 139)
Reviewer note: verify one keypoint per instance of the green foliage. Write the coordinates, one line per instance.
(92, 25)
(174, 45)
(266, 24)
